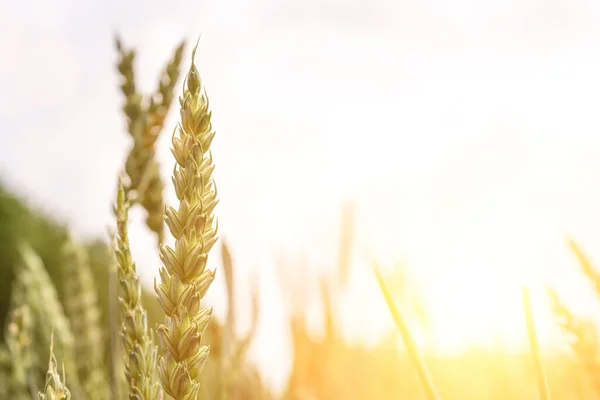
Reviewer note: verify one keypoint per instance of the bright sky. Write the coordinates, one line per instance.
(467, 131)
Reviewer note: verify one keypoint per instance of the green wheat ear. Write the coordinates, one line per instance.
(55, 388)
(81, 307)
(184, 278)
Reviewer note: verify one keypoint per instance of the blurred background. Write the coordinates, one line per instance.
(453, 142)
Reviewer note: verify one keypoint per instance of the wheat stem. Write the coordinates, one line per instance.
(409, 342)
(534, 346)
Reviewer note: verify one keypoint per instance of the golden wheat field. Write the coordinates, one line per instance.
(299, 200)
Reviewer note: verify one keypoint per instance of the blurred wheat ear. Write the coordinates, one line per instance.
(19, 332)
(36, 289)
(585, 264)
(544, 392)
(583, 342)
(145, 120)
(233, 349)
(409, 342)
(81, 307)
(55, 388)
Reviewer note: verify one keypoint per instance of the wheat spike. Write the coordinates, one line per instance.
(583, 342)
(55, 388)
(184, 277)
(585, 264)
(81, 307)
(39, 293)
(140, 351)
(145, 122)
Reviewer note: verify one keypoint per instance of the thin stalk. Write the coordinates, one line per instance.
(534, 346)
(113, 324)
(409, 342)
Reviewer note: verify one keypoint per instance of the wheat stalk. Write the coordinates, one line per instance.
(140, 351)
(409, 342)
(229, 328)
(234, 350)
(534, 346)
(346, 238)
(184, 277)
(229, 334)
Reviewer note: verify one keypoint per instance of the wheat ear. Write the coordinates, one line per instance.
(184, 277)
(19, 336)
(55, 388)
(409, 342)
(145, 122)
(140, 351)
(81, 307)
(583, 344)
(152, 188)
(234, 350)
(39, 293)
(534, 346)
(585, 264)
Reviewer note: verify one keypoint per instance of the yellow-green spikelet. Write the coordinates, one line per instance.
(145, 124)
(184, 277)
(140, 351)
(55, 388)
